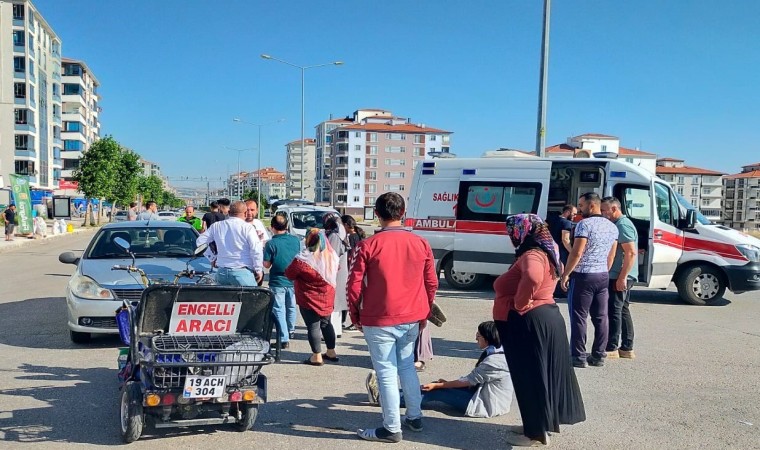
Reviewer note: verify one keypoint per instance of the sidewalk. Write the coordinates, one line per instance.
(21, 241)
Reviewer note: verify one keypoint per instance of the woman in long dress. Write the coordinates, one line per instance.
(336, 234)
(533, 333)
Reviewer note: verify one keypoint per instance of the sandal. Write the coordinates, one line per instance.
(421, 367)
(309, 362)
(329, 358)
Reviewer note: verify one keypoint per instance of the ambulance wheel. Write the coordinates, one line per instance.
(464, 281)
(131, 409)
(701, 285)
(250, 412)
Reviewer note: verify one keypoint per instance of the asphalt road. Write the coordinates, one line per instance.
(694, 384)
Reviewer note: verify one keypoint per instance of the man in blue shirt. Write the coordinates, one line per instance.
(589, 264)
(624, 272)
(279, 252)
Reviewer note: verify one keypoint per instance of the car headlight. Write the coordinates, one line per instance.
(85, 287)
(750, 252)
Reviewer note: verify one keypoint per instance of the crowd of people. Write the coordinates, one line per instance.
(340, 280)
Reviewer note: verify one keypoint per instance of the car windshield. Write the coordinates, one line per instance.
(308, 219)
(687, 205)
(145, 242)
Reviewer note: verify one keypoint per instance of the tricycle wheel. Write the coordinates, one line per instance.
(131, 408)
(250, 412)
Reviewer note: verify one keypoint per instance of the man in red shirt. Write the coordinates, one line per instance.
(391, 285)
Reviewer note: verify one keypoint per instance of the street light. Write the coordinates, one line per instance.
(258, 172)
(543, 82)
(239, 150)
(303, 140)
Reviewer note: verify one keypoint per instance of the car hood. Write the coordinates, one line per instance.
(155, 268)
(727, 235)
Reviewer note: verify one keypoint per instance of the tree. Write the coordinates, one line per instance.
(254, 194)
(151, 188)
(96, 174)
(127, 175)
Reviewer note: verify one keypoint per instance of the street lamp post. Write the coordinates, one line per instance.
(542, 85)
(258, 171)
(303, 140)
(239, 150)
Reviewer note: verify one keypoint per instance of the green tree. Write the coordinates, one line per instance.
(128, 172)
(151, 188)
(96, 174)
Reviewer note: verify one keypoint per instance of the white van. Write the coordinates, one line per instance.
(460, 207)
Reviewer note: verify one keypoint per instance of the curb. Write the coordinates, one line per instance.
(19, 242)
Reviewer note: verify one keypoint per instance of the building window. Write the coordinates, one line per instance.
(372, 162)
(72, 70)
(604, 149)
(358, 134)
(71, 164)
(22, 116)
(395, 149)
(19, 90)
(705, 191)
(695, 179)
(19, 64)
(372, 137)
(433, 137)
(18, 38)
(395, 136)
(71, 89)
(394, 187)
(419, 151)
(372, 150)
(629, 160)
(445, 138)
(419, 138)
(358, 148)
(705, 202)
(357, 186)
(24, 168)
(356, 199)
(357, 173)
(72, 145)
(72, 126)
(395, 162)
(371, 175)
(694, 191)
(341, 198)
(680, 180)
(370, 201)
(357, 160)
(22, 142)
(370, 188)
(18, 12)
(394, 174)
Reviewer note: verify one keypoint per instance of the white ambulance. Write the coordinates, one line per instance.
(460, 207)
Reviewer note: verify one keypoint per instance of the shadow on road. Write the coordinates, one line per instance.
(41, 323)
(666, 298)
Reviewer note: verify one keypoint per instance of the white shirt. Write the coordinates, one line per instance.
(261, 231)
(237, 244)
(148, 215)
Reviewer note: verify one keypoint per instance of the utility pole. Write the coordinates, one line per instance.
(542, 85)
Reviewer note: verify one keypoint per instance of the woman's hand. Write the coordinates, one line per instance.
(431, 386)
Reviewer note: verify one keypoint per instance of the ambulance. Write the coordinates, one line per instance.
(460, 206)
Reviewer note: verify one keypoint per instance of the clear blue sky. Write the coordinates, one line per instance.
(676, 78)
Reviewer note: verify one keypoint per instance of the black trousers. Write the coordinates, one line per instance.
(588, 294)
(621, 323)
(316, 328)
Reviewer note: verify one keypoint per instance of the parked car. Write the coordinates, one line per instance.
(301, 218)
(121, 216)
(167, 215)
(94, 291)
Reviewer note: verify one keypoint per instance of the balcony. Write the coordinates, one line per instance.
(58, 141)
(56, 98)
(19, 75)
(26, 153)
(32, 179)
(19, 101)
(32, 78)
(19, 48)
(57, 163)
(57, 120)
(18, 22)
(56, 76)
(67, 173)
(25, 127)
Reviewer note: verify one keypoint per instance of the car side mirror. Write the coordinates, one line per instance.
(691, 219)
(68, 258)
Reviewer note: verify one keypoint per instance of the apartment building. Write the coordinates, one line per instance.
(585, 145)
(272, 183)
(323, 156)
(702, 187)
(295, 162)
(30, 97)
(377, 153)
(81, 111)
(741, 199)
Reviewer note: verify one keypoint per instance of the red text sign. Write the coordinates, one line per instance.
(204, 318)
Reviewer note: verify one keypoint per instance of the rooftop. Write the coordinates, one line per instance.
(751, 174)
(687, 170)
(595, 136)
(564, 148)
(402, 128)
(669, 160)
(308, 141)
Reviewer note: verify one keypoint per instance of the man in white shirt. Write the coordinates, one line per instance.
(252, 217)
(150, 213)
(239, 250)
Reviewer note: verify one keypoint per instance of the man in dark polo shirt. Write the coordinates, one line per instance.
(10, 221)
(279, 252)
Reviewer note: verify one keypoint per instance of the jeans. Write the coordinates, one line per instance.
(391, 349)
(588, 293)
(620, 318)
(235, 277)
(284, 311)
(456, 398)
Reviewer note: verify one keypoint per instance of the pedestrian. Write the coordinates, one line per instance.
(252, 217)
(313, 272)
(238, 249)
(212, 216)
(279, 252)
(9, 215)
(132, 212)
(189, 218)
(533, 333)
(586, 280)
(151, 211)
(624, 273)
(561, 227)
(423, 349)
(355, 235)
(391, 286)
(338, 238)
(224, 207)
(485, 392)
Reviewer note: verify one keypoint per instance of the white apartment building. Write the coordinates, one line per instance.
(294, 164)
(585, 145)
(377, 153)
(323, 156)
(702, 187)
(30, 97)
(741, 199)
(272, 183)
(81, 123)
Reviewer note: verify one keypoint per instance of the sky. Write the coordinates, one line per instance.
(676, 78)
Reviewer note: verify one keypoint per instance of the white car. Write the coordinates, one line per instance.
(301, 218)
(167, 215)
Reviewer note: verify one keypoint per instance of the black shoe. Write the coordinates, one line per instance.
(292, 335)
(413, 424)
(379, 435)
(285, 345)
(580, 364)
(596, 362)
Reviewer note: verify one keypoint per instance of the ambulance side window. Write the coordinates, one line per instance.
(665, 210)
(636, 203)
(493, 201)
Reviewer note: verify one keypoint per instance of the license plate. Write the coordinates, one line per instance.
(197, 386)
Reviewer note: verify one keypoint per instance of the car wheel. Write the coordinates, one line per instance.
(701, 285)
(79, 338)
(250, 413)
(131, 413)
(465, 281)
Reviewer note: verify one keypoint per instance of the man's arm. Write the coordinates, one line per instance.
(611, 256)
(268, 255)
(355, 284)
(576, 253)
(566, 241)
(630, 257)
(431, 276)
(257, 254)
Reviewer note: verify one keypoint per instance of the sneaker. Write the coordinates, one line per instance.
(413, 424)
(628, 354)
(351, 329)
(596, 362)
(373, 390)
(580, 364)
(292, 335)
(614, 354)
(285, 345)
(379, 435)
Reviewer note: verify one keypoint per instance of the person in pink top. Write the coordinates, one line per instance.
(532, 332)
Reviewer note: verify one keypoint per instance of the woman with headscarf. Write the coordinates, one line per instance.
(338, 238)
(313, 273)
(533, 333)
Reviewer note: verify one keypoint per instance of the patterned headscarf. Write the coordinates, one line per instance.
(320, 255)
(528, 231)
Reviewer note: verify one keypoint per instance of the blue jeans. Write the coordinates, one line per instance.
(284, 311)
(392, 352)
(235, 277)
(456, 398)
